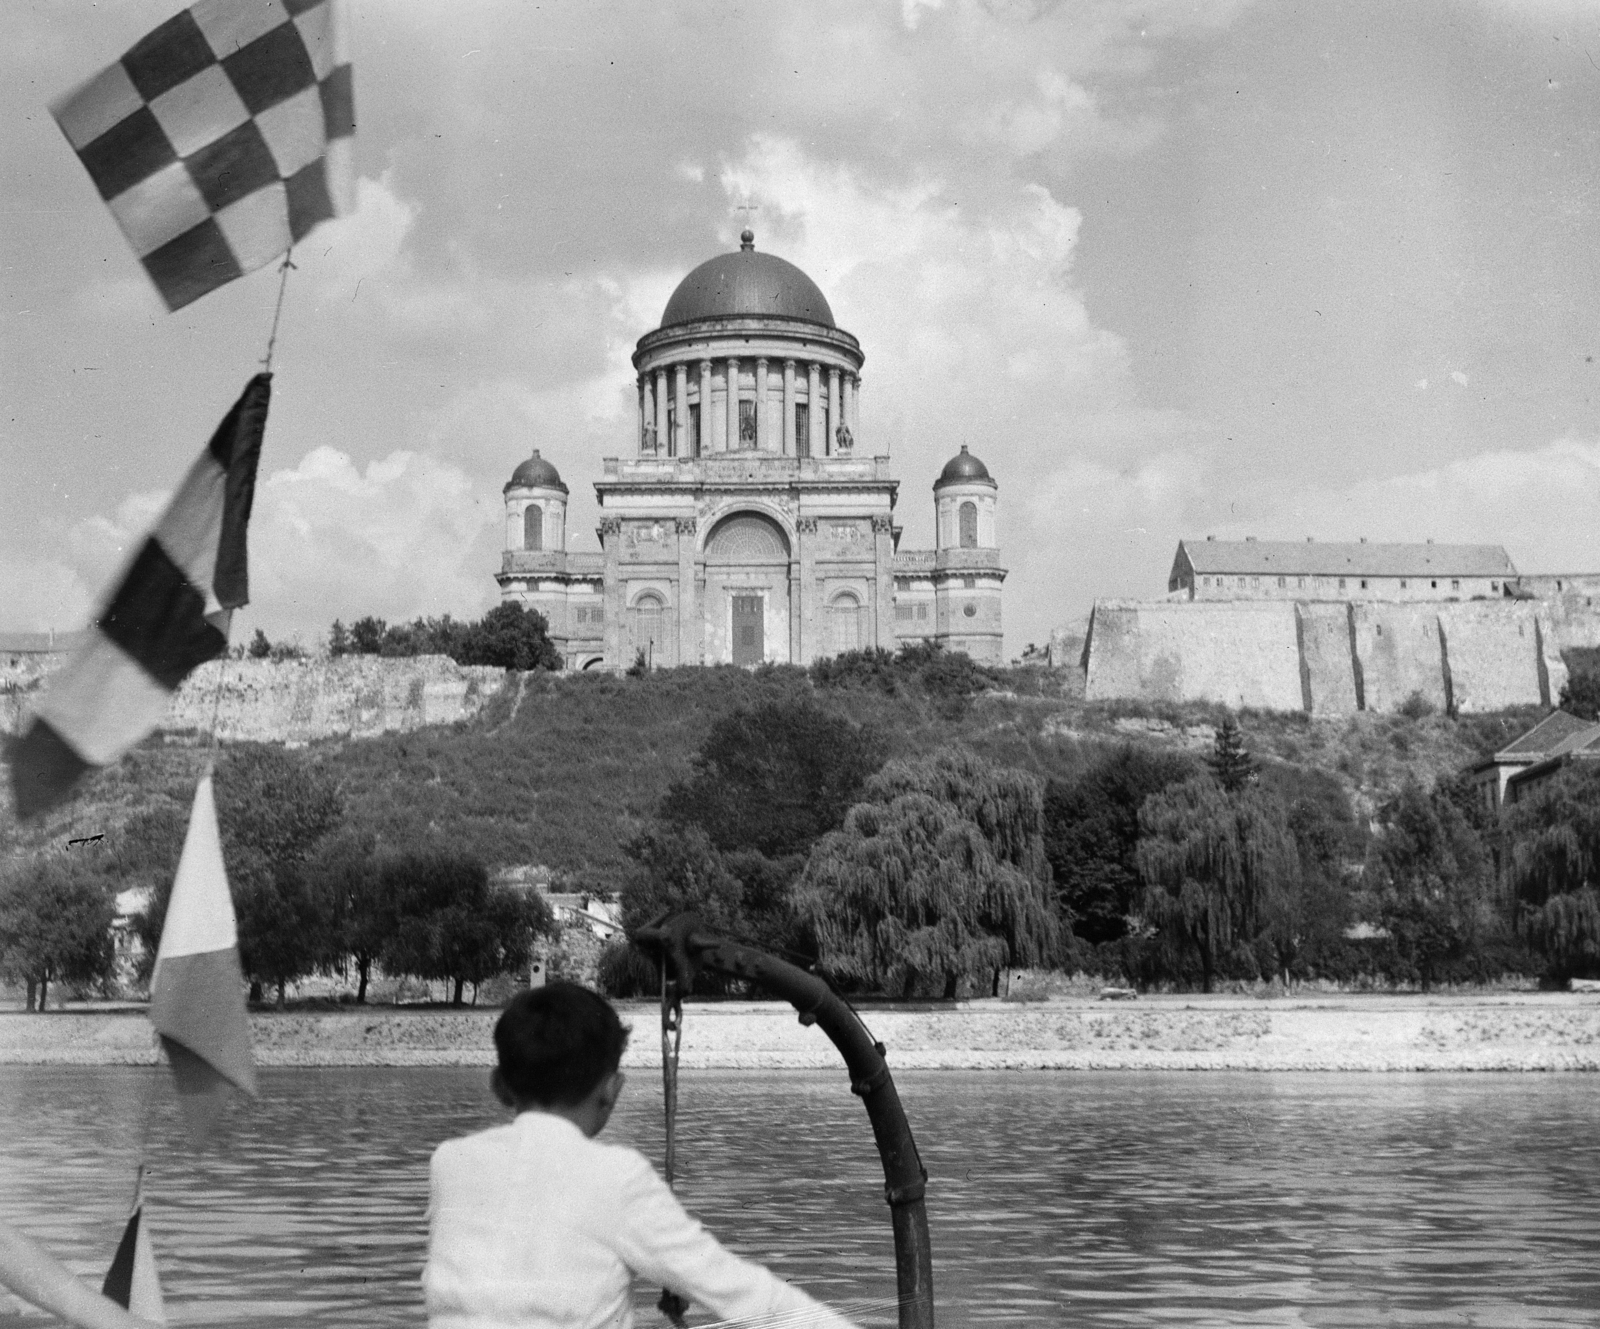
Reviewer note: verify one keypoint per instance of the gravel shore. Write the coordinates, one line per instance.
(1503, 1032)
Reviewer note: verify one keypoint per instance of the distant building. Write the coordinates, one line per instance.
(752, 524)
(1253, 569)
(1519, 768)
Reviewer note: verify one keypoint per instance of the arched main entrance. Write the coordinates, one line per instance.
(747, 591)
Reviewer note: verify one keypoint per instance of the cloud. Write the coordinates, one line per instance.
(403, 536)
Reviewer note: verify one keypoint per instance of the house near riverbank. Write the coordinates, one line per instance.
(1519, 768)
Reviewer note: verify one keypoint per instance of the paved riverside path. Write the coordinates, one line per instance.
(1344, 1032)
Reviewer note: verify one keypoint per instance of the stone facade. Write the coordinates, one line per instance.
(1253, 569)
(1329, 659)
(751, 525)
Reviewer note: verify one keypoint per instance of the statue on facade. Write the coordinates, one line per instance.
(649, 439)
(843, 438)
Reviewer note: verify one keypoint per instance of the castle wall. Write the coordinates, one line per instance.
(1327, 673)
(1400, 654)
(1329, 658)
(1492, 654)
(1243, 655)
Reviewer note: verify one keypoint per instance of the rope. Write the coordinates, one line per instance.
(671, 1304)
(277, 311)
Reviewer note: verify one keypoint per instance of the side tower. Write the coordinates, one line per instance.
(967, 574)
(536, 570)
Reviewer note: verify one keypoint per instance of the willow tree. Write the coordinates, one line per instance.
(1213, 865)
(1554, 841)
(939, 876)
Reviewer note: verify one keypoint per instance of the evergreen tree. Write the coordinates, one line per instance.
(1214, 865)
(338, 640)
(938, 877)
(260, 648)
(1230, 762)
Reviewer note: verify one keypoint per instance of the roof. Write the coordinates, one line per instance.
(964, 469)
(536, 473)
(747, 284)
(1552, 736)
(1314, 558)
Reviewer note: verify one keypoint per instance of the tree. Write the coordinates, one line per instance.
(510, 637)
(273, 806)
(55, 926)
(677, 869)
(937, 877)
(260, 648)
(1091, 835)
(1212, 864)
(774, 777)
(338, 640)
(1580, 694)
(366, 636)
(344, 872)
(452, 925)
(1554, 853)
(1231, 763)
(1431, 875)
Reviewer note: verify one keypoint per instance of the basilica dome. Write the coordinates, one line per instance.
(747, 284)
(536, 473)
(963, 469)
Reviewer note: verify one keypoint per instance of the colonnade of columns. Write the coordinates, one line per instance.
(831, 393)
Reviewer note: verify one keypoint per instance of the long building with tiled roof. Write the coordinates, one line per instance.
(1252, 569)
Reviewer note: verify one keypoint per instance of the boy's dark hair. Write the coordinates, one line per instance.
(556, 1043)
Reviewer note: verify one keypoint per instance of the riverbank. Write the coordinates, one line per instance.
(1356, 1032)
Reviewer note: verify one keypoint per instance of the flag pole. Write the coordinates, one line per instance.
(277, 311)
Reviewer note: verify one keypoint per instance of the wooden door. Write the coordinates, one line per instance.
(749, 647)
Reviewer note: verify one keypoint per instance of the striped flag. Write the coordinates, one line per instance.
(132, 1281)
(220, 139)
(169, 614)
(197, 989)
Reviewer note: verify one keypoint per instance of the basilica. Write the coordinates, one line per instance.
(752, 523)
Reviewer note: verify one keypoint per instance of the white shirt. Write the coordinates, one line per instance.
(534, 1226)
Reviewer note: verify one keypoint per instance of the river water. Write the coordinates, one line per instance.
(1104, 1199)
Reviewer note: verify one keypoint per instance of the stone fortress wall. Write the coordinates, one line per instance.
(1336, 657)
(294, 701)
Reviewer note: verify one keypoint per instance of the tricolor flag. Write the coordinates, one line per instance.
(169, 614)
(197, 990)
(220, 139)
(132, 1281)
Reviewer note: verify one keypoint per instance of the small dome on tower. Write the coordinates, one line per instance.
(536, 473)
(964, 469)
(747, 284)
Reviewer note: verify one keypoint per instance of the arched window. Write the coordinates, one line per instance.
(649, 622)
(533, 527)
(969, 525)
(845, 615)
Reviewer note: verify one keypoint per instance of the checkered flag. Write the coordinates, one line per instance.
(220, 139)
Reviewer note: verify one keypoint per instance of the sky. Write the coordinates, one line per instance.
(1170, 269)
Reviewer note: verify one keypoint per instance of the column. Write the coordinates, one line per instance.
(814, 416)
(661, 413)
(733, 403)
(835, 416)
(646, 412)
(616, 636)
(705, 409)
(806, 596)
(788, 409)
(883, 548)
(763, 425)
(680, 401)
(855, 405)
(689, 636)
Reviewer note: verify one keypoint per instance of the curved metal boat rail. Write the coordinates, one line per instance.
(683, 947)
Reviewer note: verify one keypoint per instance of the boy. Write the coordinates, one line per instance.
(534, 1225)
